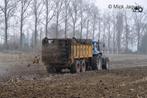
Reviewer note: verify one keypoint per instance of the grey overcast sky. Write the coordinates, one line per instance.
(103, 4)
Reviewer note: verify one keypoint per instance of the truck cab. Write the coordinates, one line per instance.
(96, 48)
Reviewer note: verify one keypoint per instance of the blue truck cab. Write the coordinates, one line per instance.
(96, 48)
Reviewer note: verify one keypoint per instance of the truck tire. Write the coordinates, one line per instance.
(106, 64)
(99, 63)
(76, 67)
(58, 70)
(50, 69)
(83, 66)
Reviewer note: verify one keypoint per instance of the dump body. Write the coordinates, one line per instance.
(55, 52)
(63, 52)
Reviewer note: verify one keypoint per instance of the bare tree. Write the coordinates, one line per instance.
(139, 28)
(108, 26)
(94, 17)
(88, 19)
(66, 16)
(81, 17)
(99, 27)
(37, 11)
(74, 10)
(87, 29)
(143, 47)
(119, 30)
(50, 13)
(8, 10)
(58, 9)
(114, 33)
(24, 4)
(127, 31)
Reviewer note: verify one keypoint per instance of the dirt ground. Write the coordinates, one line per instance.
(22, 79)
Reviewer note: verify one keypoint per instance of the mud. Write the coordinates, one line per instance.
(126, 79)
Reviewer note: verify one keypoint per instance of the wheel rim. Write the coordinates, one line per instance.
(140, 9)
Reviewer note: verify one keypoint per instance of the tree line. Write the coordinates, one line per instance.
(23, 24)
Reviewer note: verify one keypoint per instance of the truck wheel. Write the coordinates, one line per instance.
(58, 70)
(72, 68)
(83, 66)
(99, 64)
(75, 68)
(106, 65)
(140, 9)
(50, 69)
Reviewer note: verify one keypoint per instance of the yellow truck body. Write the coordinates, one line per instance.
(80, 51)
(63, 52)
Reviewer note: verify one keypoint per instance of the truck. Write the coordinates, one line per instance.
(77, 55)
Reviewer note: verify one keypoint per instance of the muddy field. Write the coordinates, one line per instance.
(19, 78)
